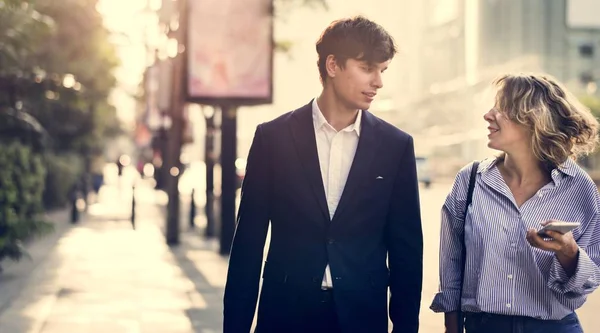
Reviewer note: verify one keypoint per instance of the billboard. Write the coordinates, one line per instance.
(583, 14)
(230, 51)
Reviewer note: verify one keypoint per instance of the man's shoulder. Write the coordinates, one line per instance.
(278, 121)
(281, 121)
(390, 131)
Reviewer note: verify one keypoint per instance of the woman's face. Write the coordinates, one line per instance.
(504, 134)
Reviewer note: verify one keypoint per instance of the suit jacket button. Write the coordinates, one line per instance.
(330, 241)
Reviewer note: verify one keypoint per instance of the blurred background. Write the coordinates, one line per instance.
(124, 135)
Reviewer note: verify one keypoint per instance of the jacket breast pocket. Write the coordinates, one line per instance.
(376, 191)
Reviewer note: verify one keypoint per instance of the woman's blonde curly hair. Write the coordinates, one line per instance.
(560, 125)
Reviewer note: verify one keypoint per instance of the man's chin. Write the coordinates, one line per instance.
(363, 105)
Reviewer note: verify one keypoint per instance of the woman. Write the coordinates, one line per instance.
(515, 280)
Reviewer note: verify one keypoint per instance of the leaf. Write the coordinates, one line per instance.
(20, 199)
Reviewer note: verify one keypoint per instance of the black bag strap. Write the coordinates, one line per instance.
(471, 188)
(461, 317)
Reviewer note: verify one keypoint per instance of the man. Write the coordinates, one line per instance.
(339, 187)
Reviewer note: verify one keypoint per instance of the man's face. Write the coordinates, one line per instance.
(357, 83)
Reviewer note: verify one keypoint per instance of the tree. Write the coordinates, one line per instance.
(80, 47)
(46, 41)
(21, 186)
(23, 27)
(56, 64)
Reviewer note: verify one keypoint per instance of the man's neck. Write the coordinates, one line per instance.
(336, 114)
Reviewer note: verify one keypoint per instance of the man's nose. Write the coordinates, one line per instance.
(378, 81)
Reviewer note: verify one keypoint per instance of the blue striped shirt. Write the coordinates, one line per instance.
(504, 274)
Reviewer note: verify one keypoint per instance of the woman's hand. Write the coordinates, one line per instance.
(563, 245)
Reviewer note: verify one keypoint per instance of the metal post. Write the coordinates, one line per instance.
(228, 192)
(133, 206)
(74, 209)
(193, 209)
(209, 160)
(173, 162)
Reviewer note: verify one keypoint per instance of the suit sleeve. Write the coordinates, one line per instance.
(245, 261)
(405, 246)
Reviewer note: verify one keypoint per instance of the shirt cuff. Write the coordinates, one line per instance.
(446, 301)
(582, 282)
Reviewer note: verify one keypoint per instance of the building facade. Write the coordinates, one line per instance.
(462, 45)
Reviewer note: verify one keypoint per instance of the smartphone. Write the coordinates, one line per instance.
(562, 227)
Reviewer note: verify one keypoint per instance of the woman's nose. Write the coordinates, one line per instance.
(488, 116)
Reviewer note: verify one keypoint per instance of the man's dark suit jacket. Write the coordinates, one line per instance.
(377, 216)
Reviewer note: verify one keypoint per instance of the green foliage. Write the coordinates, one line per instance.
(21, 185)
(79, 46)
(22, 127)
(592, 102)
(23, 27)
(46, 40)
(63, 171)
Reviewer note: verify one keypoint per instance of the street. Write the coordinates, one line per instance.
(113, 113)
(102, 276)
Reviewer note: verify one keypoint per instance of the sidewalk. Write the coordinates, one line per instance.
(103, 276)
(11, 279)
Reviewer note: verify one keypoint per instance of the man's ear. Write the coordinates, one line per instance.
(331, 65)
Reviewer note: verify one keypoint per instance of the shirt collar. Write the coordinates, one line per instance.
(320, 121)
(568, 168)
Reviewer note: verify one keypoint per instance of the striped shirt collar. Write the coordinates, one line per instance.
(568, 168)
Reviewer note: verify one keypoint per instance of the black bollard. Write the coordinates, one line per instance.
(193, 211)
(74, 196)
(133, 207)
(74, 210)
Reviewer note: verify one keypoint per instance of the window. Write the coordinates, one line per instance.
(586, 77)
(586, 50)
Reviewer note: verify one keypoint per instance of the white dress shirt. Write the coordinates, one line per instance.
(336, 152)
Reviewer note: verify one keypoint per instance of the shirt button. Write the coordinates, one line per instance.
(510, 276)
(508, 305)
(513, 244)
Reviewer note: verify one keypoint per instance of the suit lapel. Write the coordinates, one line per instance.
(365, 151)
(306, 144)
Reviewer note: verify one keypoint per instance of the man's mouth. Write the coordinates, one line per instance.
(370, 94)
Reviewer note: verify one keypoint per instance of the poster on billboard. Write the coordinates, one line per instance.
(583, 14)
(230, 52)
